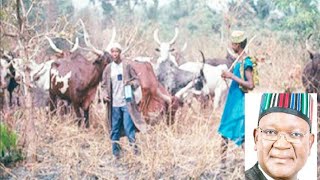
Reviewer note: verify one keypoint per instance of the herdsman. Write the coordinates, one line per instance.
(232, 120)
(124, 117)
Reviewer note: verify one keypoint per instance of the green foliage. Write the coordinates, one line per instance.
(8, 146)
(107, 8)
(301, 16)
(261, 7)
(65, 7)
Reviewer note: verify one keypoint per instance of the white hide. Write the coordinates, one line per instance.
(165, 48)
(215, 83)
(39, 73)
(63, 79)
(4, 72)
(165, 54)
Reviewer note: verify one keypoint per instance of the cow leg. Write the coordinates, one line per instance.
(217, 99)
(78, 113)
(10, 98)
(18, 95)
(53, 103)
(86, 117)
(86, 105)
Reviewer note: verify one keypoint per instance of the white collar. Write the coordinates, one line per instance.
(115, 64)
(265, 174)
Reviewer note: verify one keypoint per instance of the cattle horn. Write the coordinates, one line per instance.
(87, 41)
(156, 36)
(184, 47)
(112, 39)
(53, 46)
(308, 46)
(76, 45)
(176, 32)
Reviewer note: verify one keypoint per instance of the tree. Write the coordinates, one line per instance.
(301, 16)
(21, 28)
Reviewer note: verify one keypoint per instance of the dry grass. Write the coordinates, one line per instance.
(187, 149)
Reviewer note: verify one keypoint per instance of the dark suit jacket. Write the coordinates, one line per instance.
(254, 173)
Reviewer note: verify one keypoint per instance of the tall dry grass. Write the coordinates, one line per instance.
(188, 149)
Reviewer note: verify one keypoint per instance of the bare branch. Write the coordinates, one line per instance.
(30, 8)
(87, 41)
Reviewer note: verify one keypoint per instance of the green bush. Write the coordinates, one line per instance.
(9, 152)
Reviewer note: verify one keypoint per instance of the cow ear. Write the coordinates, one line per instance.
(311, 55)
(171, 50)
(97, 62)
(157, 49)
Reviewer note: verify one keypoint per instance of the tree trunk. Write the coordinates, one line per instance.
(29, 137)
(30, 131)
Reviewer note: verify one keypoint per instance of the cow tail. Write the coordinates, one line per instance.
(203, 62)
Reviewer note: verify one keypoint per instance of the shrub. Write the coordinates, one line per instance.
(9, 152)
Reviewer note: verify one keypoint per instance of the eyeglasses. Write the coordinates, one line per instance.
(273, 135)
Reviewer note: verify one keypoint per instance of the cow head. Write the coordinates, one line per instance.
(314, 56)
(4, 73)
(165, 47)
(7, 69)
(103, 60)
(104, 57)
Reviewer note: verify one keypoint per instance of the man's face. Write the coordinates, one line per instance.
(115, 53)
(235, 47)
(280, 158)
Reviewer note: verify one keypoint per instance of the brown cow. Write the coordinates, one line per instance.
(75, 79)
(311, 72)
(156, 100)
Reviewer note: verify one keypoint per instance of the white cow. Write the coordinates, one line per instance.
(216, 85)
(165, 48)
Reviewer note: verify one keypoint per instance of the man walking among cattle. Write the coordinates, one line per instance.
(232, 121)
(123, 114)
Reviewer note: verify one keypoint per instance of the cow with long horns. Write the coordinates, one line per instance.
(165, 48)
(75, 79)
(311, 72)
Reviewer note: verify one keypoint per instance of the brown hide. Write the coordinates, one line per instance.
(218, 61)
(151, 103)
(311, 75)
(82, 83)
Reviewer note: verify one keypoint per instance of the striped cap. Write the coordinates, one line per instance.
(298, 104)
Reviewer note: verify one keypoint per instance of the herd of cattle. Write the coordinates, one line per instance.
(164, 84)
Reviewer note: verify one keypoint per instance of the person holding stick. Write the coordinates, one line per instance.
(232, 121)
